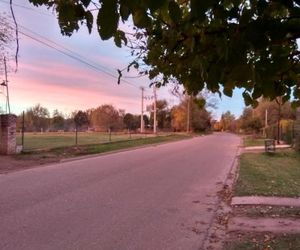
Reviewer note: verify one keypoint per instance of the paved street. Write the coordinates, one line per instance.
(158, 197)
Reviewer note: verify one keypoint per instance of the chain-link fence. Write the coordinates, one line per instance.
(286, 131)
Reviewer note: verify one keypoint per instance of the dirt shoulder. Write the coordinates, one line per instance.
(11, 163)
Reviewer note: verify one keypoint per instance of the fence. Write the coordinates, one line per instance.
(286, 131)
(47, 140)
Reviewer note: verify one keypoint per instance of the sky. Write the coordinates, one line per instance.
(57, 81)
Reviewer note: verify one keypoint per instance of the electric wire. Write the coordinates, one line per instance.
(75, 58)
(80, 57)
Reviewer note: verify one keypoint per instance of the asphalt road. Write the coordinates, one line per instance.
(159, 197)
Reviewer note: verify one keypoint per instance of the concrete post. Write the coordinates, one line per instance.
(8, 140)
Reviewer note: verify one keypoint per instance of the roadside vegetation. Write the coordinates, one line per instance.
(275, 174)
(263, 241)
(79, 150)
(251, 141)
(40, 141)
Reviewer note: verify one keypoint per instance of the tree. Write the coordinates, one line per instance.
(227, 121)
(37, 118)
(81, 120)
(131, 121)
(163, 114)
(219, 45)
(58, 120)
(106, 117)
(199, 116)
(249, 122)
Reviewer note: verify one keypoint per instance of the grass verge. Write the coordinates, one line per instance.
(66, 152)
(263, 241)
(266, 174)
(266, 211)
(251, 142)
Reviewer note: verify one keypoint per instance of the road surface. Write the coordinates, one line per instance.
(158, 197)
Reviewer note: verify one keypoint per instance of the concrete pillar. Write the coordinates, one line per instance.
(8, 140)
(297, 129)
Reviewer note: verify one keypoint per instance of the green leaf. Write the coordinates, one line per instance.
(141, 19)
(155, 4)
(228, 91)
(199, 7)
(119, 37)
(85, 2)
(257, 92)
(124, 12)
(89, 21)
(175, 11)
(108, 19)
(247, 98)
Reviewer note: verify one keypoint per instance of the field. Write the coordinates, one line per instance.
(39, 141)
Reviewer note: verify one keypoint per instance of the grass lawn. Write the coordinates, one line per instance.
(264, 241)
(65, 152)
(266, 174)
(37, 141)
(250, 142)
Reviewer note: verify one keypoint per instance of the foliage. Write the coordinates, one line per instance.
(250, 123)
(105, 117)
(131, 121)
(199, 116)
(81, 119)
(37, 118)
(215, 44)
(275, 110)
(163, 114)
(227, 121)
(57, 121)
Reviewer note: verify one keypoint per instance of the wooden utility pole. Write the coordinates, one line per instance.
(142, 111)
(266, 123)
(188, 114)
(154, 111)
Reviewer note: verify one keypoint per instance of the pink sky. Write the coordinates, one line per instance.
(58, 82)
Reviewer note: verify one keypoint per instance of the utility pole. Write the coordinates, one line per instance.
(6, 84)
(188, 114)
(154, 111)
(142, 111)
(266, 123)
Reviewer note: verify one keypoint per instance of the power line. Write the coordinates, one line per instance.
(75, 58)
(65, 48)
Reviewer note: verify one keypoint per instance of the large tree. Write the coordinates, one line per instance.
(219, 45)
(190, 115)
(37, 118)
(106, 117)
